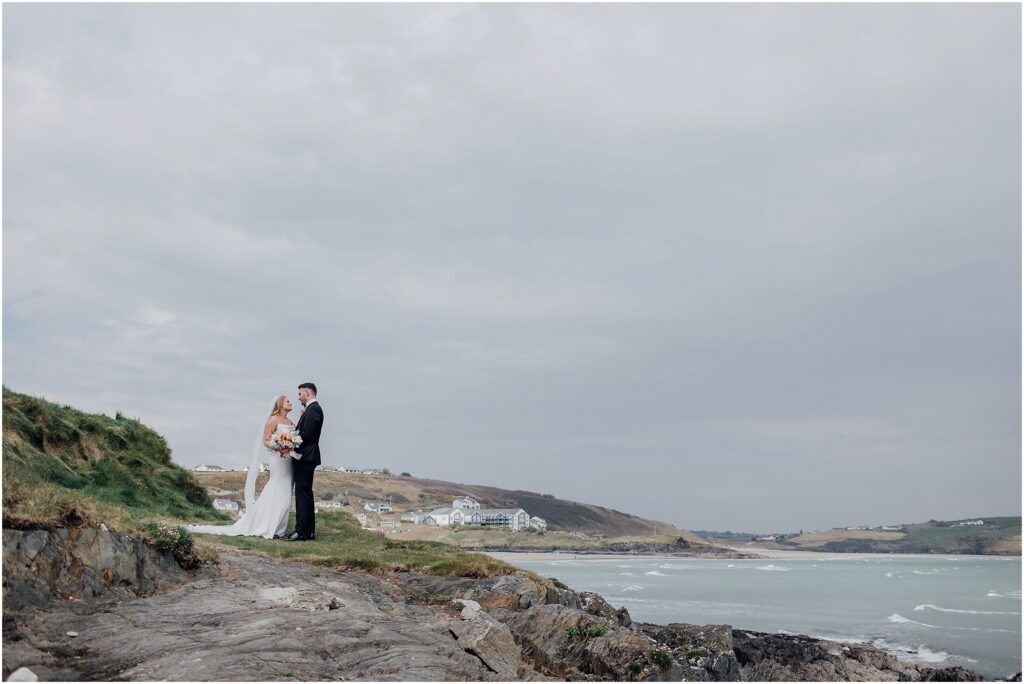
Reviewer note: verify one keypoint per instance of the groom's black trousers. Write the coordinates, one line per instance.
(305, 518)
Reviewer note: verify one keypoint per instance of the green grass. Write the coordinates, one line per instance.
(341, 543)
(970, 538)
(62, 465)
(66, 468)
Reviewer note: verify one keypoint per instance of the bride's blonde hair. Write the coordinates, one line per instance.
(278, 403)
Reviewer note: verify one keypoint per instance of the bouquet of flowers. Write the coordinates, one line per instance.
(286, 441)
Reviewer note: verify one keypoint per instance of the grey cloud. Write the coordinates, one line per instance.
(728, 266)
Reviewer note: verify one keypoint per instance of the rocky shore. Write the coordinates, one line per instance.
(681, 547)
(91, 605)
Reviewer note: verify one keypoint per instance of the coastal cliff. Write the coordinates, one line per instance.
(89, 604)
(99, 584)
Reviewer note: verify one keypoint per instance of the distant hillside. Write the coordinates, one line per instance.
(64, 467)
(996, 536)
(412, 493)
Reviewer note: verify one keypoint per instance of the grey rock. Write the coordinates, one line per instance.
(492, 643)
(81, 564)
(596, 605)
(705, 650)
(564, 642)
(257, 619)
(23, 674)
(470, 608)
(794, 657)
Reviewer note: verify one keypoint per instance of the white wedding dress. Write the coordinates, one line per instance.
(266, 516)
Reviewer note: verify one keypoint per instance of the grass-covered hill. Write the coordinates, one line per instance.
(63, 467)
(66, 468)
(999, 535)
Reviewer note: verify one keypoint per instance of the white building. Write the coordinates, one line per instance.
(770, 537)
(361, 518)
(538, 523)
(377, 507)
(439, 516)
(328, 504)
(208, 469)
(332, 469)
(513, 518)
(415, 517)
(226, 505)
(972, 522)
(466, 502)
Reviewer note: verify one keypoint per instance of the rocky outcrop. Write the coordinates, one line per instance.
(596, 605)
(86, 605)
(705, 651)
(681, 548)
(570, 644)
(81, 564)
(491, 642)
(766, 657)
(258, 619)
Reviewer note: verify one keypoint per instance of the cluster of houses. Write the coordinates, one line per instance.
(264, 467)
(463, 511)
(467, 511)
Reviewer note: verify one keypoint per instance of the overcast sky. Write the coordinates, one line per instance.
(748, 267)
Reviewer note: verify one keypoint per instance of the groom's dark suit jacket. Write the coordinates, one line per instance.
(309, 426)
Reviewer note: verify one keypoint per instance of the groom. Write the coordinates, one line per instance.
(309, 426)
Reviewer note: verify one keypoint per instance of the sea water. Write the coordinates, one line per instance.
(938, 610)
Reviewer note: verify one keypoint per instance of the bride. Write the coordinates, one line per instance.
(267, 516)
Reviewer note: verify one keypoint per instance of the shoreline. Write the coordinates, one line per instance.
(900, 651)
(762, 554)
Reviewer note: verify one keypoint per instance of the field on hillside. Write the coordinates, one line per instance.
(479, 537)
(410, 493)
(999, 535)
(815, 539)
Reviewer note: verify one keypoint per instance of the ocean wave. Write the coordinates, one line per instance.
(920, 653)
(1007, 594)
(897, 618)
(633, 587)
(929, 606)
(888, 574)
(656, 573)
(667, 566)
(920, 572)
(625, 573)
(769, 567)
